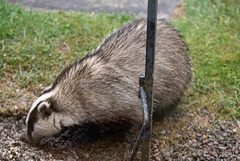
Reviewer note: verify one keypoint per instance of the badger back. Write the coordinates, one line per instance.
(120, 59)
(124, 53)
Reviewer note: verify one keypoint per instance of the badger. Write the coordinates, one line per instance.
(102, 88)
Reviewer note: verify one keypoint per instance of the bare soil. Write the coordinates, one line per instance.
(187, 134)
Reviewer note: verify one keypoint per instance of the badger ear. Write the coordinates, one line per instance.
(44, 109)
(45, 90)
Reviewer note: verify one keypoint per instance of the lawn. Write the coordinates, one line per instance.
(212, 31)
(36, 45)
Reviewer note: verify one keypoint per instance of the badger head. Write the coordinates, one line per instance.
(43, 118)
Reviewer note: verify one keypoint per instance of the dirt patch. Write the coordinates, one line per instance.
(13, 99)
(179, 11)
(189, 133)
(184, 135)
(199, 136)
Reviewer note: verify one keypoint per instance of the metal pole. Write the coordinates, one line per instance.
(146, 86)
(149, 73)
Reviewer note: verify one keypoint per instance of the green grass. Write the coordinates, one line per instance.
(212, 30)
(35, 46)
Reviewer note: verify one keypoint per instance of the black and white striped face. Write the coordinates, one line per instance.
(40, 120)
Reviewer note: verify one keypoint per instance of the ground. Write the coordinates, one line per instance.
(186, 134)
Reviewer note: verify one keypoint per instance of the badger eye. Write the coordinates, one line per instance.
(30, 129)
(46, 113)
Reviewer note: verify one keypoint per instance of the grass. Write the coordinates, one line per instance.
(212, 30)
(35, 46)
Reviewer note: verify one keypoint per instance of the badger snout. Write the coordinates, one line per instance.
(25, 138)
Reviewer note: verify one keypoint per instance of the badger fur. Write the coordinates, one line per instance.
(102, 88)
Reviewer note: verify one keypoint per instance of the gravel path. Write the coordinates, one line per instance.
(135, 7)
(181, 136)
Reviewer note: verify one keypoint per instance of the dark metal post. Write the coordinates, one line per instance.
(146, 85)
(149, 72)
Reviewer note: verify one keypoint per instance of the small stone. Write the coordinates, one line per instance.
(235, 130)
(222, 148)
(87, 155)
(238, 123)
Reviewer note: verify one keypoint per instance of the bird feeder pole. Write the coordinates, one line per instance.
(146, 85)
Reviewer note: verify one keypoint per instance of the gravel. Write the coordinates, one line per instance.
(181, 136)
(206, 144)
